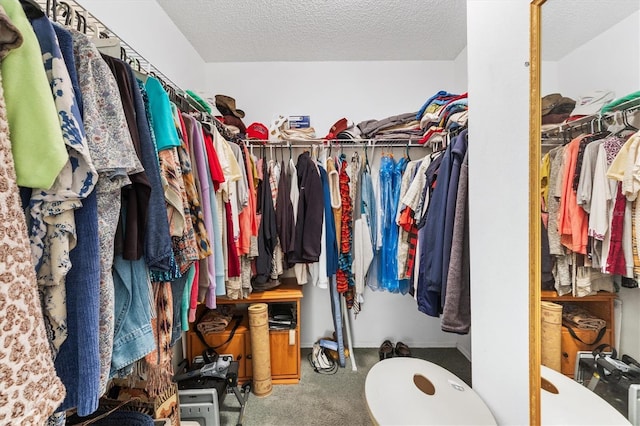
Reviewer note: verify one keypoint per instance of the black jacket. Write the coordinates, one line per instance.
(267, 230)
(306, 247)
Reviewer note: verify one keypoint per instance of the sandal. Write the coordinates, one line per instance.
(402, 350)
(386, 350)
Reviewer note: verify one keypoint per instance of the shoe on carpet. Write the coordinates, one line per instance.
(402, 350)
(386, 350)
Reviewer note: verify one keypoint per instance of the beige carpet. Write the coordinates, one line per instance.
(329, 400)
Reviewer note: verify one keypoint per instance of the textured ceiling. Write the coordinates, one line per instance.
(569, 24)
(363, 30)
(321, 30)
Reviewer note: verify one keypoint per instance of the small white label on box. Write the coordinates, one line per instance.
(292, 337)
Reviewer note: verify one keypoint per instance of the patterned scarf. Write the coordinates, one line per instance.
(158, 366)
(344, 276)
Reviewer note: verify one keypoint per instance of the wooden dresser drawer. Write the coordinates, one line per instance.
(570, 346)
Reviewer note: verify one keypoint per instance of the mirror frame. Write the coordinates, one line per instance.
(535, 121)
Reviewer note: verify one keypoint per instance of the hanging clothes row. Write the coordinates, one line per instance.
(105, 164)
(588, 202)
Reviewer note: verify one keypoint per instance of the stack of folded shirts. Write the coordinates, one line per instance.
(409, 130)
(441, 114)
(395, 124)
(302, 134)
(575, 316)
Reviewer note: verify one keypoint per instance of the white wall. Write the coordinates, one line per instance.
(609, 61)
(145, 26)
(460, 65)
(328, 91)
(550, 80)
(630, 324)
(498, 47)
(460, 72)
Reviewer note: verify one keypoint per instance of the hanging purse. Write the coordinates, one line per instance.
(210, 354)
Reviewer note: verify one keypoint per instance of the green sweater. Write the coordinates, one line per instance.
(38, 149)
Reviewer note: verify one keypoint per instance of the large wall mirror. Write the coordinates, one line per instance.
(585, 107)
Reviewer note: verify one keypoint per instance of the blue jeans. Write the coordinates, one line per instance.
(133, 335)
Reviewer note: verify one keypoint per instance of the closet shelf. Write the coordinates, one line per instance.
(601, 296)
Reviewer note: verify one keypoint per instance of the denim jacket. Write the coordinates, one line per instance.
(133, 335)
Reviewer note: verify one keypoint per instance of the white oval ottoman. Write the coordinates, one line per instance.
(567, 402)
(411, 391)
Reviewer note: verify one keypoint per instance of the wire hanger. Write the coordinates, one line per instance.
(81, 24)
(627, 127)
(366, 157)
(67, 13)
(355, 158)
(51, 11)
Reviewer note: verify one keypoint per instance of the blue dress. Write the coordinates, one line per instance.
(390, 181)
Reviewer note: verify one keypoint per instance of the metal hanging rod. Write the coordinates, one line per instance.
(363, 143)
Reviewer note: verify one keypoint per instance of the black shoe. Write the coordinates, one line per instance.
(402, 350)
(386, 350)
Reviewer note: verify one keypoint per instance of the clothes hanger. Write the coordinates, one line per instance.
(135, 64)
(52, 7)
(67, 13)
(355, 158)
(625, 120)
(366, 158)
(406, 154)
(598, 134)
(82, 25)
(620, 119)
